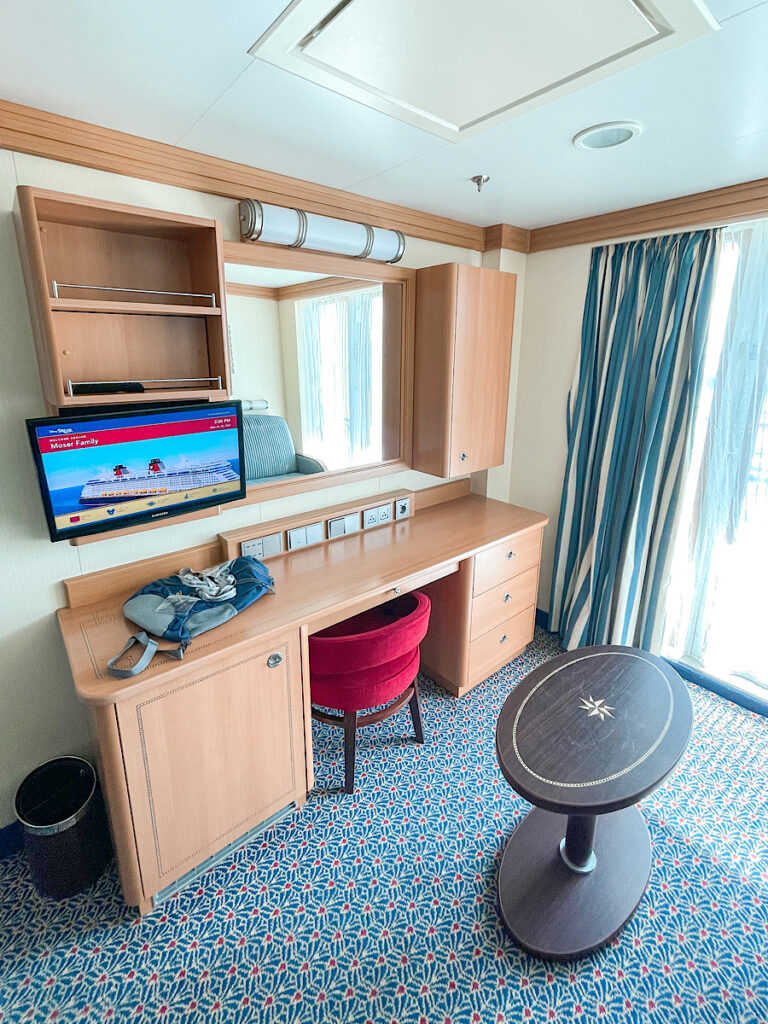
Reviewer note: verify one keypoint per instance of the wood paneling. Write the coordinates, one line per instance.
(310, 585)
(232, 539)
(252, 291)
(718, 206)
(485, 311)
(504, 601)
(40, 133)
(213, 755)
(96, 587)
(500, 645)
(464, 321)
(506, 560)
(442, 492)
(506, 236)
(325, 286)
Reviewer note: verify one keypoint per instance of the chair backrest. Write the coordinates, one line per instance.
(375, 637)
(268, 446)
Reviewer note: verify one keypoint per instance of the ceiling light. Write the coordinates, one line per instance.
(604, 136)
(279, 225)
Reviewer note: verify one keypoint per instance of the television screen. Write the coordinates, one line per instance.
(106, 471)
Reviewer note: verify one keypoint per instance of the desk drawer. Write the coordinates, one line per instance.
(505, 560)
(498, 646)
(503, 602)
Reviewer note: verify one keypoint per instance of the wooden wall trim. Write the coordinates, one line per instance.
(252, 291)
(40, 133)
(718, 206)
(325, 286)
(506, 236)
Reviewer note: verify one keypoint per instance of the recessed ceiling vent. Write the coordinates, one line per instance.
(456, 68)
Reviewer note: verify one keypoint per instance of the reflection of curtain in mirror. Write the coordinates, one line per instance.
(340, 377)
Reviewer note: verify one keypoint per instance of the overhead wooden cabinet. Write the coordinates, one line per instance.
(463, 347)
(127, 303)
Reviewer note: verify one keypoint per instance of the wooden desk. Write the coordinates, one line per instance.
(195, 754)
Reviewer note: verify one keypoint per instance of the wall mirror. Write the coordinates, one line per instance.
(322, 361)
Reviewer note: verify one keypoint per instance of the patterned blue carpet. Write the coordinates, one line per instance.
(381, 908)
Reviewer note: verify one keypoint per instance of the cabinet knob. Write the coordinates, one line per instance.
(396, 590)
(507, 598)
(274, 660)
(463, 457)
(510, 553)
(504, 638)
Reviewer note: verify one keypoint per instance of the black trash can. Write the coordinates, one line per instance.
(66, 838)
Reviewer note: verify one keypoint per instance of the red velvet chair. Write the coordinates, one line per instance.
(365, 661)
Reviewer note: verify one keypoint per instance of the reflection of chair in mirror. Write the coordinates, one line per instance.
(269, 451)
(365, 662)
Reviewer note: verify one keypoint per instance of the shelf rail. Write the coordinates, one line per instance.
(55, 285)
(72, 384)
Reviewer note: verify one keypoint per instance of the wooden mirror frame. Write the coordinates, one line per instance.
(259, 254)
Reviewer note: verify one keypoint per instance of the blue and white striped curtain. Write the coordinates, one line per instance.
(630, 414)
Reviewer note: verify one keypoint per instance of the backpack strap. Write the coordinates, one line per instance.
(150, 649)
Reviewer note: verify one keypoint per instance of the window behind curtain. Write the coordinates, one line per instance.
(340, 376)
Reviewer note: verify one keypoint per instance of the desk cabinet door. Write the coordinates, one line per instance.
(211, 754)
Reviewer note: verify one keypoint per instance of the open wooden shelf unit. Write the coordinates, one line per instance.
(123, 294)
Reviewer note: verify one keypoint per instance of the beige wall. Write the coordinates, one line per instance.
(555, 286)
(39, 715)
(256, 350)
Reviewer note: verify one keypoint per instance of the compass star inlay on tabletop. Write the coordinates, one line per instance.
(596, 707)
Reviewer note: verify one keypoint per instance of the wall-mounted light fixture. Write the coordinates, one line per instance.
(299, 230)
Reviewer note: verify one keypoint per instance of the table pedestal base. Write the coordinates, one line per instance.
(560, 914)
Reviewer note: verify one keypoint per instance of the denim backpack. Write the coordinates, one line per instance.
(180, 607)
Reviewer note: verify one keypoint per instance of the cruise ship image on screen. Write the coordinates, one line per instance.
(124, 485)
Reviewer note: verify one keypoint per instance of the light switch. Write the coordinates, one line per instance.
(337, 527)
(352, 522)
(297, 538)
(370, 518)
(273, 544)
(315, 533)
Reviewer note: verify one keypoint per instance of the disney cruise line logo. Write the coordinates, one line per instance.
(596, 707)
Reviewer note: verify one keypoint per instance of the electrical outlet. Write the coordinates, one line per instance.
(370, 518)
(402, 508)
(385, 513)
(254, 548)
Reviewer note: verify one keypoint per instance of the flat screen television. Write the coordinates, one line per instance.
(105, 471)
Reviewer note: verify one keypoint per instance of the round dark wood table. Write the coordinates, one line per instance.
(585, 735)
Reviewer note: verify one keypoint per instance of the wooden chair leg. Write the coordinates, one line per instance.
(350, 730)
(415, 707)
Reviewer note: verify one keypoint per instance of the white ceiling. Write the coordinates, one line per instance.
(178, 71)
(266, 277)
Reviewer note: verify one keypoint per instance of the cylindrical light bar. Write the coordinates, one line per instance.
(299, 230)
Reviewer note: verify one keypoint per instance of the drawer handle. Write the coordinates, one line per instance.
(504, 638)
(396, 590)
(463, 457)
(507, 598)
(511, 554)
(274, 660)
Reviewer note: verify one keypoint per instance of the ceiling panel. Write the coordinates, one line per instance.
(266, 277)
(454, 68)
(704, 111)
(145, 67)
(272, 119)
